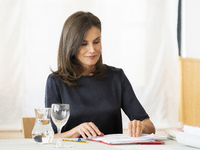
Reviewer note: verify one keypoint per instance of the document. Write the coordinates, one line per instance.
(117, 139)
(188, 139)
(191, 129)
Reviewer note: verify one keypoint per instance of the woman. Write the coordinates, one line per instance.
(96, 92)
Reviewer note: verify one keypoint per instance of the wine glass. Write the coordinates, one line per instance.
(60, 115)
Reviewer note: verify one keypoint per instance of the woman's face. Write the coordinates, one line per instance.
(90, 50)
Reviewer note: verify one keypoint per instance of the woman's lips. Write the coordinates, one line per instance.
(91, 57)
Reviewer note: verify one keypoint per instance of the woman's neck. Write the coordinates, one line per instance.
(87, 71)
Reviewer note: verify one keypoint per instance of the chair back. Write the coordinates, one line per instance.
(27, 126)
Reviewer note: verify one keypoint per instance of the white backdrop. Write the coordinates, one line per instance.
(137, 35)
(190, 28)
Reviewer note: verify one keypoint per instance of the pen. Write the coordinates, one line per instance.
(78, 141)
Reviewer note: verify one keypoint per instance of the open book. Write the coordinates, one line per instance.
(117, 139)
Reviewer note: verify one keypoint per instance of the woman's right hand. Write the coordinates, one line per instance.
(88, 130)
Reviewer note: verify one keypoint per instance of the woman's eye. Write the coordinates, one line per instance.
(96, 42)
(83, 44)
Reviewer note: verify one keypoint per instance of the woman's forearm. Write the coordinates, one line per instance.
(69, 134)
(86, 130)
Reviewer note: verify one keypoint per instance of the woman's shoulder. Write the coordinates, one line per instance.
(53, 78)
(111, 70)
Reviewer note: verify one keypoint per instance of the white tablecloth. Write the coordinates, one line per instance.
(29, 144)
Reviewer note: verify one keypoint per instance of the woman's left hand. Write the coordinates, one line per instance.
(135, 128)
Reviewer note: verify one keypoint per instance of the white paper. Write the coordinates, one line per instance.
(192, 130)
(124, 138)
(188, 139)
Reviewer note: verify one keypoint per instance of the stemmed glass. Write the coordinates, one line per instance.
(60, 115)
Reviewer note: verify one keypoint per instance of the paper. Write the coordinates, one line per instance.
(125, 139)
(188, 139)
(192, 130)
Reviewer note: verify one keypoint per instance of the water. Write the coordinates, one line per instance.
(60, 123)
(42, 131)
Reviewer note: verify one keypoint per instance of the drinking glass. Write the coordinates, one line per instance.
(60, 115)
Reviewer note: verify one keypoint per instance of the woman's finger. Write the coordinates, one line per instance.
(82, 133)
(138, 128)
(95, 130)
(135, 128)
(134, 123)
(89, 130)
(130, 128)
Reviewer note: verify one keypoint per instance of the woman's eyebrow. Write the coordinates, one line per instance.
(97, 38)
(94, 39)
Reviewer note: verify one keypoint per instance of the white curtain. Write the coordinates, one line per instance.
(137, 35)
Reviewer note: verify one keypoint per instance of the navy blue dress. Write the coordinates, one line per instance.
(96, 100)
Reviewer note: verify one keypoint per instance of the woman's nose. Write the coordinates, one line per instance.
(91, 48)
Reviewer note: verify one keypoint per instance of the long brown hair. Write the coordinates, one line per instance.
(73, 33)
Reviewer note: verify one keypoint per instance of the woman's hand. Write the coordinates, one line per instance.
(88, 130)
(137, 127)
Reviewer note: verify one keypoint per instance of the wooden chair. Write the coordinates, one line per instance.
(27, 126)
(189, 102)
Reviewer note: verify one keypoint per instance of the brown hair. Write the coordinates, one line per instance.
(73, 32)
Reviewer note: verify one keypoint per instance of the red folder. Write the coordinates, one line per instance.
(119, 139)
(156, 142)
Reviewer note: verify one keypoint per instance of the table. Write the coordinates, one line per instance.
(29, 144)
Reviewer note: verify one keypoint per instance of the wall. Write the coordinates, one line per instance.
(191, 28)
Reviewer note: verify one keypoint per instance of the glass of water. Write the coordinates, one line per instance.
(60, 115)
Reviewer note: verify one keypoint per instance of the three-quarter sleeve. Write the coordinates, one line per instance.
(52, 93)
(130, 104)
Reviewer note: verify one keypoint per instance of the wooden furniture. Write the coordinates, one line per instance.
(27, 126)
(189, 99)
